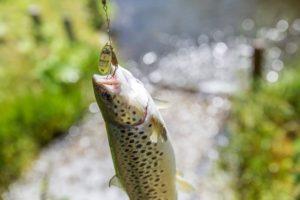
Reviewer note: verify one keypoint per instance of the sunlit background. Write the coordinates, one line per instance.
(229, 68)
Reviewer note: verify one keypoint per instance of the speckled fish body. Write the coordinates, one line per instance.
(142, 154)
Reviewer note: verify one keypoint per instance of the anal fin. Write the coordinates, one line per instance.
(115, 182)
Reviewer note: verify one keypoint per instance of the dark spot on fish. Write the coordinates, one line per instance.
(130, 133)
(162, 153)
(142, 165)
(147, 176)
(151, 190)
(139, 146)
(153, 158)
(141, 132)
(131, 141)
(148, 143)
(149, 125)
(143, 151)
(149, 153)
(144, 137)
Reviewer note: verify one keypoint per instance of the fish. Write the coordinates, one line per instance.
(142, 154)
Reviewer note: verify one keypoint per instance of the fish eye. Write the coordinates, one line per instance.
(106, 96)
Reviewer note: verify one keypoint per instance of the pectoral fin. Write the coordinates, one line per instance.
(161, 104)
(115, 182)
(159, 132)
(183, 185)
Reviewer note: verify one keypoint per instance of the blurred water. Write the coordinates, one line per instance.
(204, 45)
(142, 25)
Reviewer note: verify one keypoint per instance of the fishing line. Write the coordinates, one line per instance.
(114, 59)
(104, 3)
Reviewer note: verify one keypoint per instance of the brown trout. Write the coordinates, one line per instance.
(142, 154)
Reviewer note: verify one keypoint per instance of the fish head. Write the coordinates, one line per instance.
(122, 98)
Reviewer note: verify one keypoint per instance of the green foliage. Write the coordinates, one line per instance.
(263, 154)
(46, 84)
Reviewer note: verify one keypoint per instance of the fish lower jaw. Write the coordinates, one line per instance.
(109, 83)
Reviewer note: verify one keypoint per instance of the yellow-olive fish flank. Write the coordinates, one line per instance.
(142, 154)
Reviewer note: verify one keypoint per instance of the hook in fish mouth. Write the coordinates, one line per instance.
(109, 83)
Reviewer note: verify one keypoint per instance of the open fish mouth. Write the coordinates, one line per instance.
(109, 83)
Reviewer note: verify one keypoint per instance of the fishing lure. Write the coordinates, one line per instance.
(105, 60)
